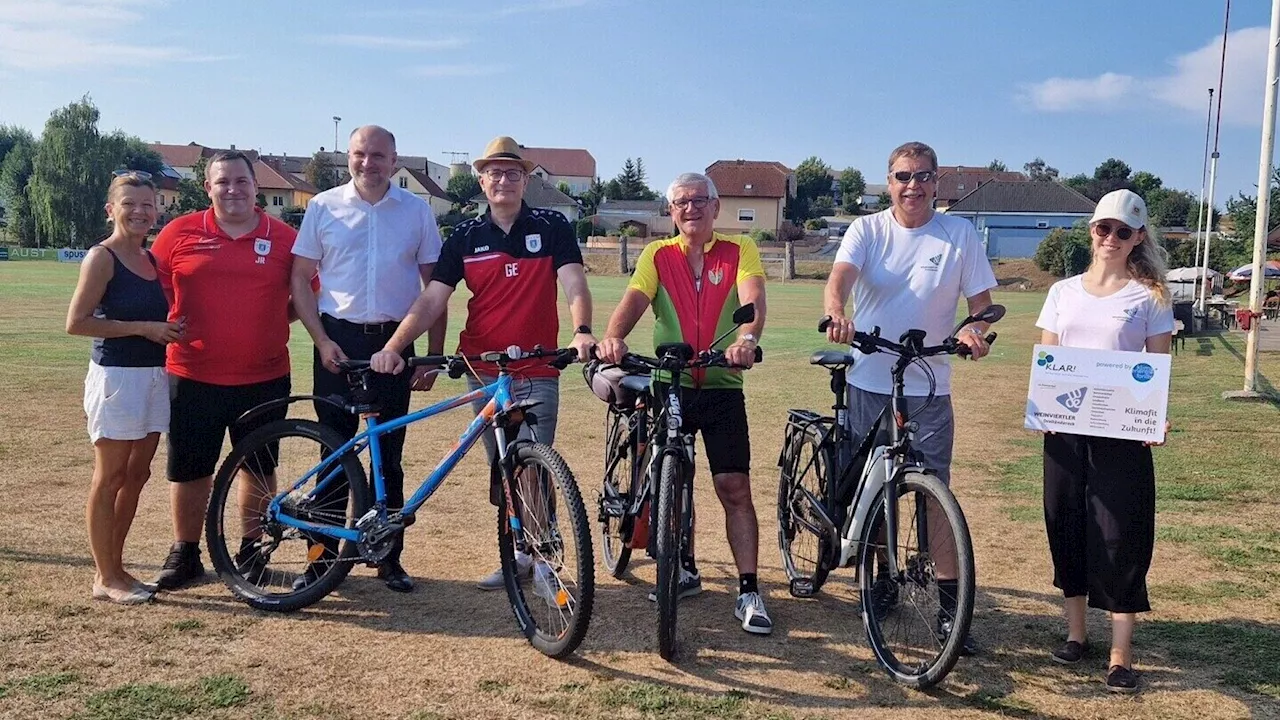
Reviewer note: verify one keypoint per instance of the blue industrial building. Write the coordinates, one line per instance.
(1013, 217)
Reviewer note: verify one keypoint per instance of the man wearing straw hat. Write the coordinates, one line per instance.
(511, 258)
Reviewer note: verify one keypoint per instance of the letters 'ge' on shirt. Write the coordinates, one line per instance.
(368, 254)
(234, 293)
(697, 310)
(911, 278)
(512, 278)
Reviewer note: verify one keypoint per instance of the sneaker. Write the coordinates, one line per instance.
(968, 647)
(180, 567)
(884, 596)
(548, 587)
(1071, 652)
(1121, 679)
(690, 584)
(494, 581)
(750, 610)
(250, 563)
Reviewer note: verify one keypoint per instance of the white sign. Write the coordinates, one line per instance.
(73, 255)
(1104, 393)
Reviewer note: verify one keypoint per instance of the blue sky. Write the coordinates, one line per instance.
(679, 83)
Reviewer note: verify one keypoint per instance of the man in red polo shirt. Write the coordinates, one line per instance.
(226, 271)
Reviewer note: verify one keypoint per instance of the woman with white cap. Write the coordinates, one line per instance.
(1099, 493)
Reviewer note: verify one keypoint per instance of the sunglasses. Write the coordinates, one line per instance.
(697, 203)
(921, 176)
(139, 174)
(1103, 229)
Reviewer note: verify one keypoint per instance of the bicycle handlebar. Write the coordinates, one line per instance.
(632, 362)
(868, 343)
(560, 358)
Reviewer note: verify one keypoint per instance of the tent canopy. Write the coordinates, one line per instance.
(1189, 274)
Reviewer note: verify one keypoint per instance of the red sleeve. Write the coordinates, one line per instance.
(162, 250)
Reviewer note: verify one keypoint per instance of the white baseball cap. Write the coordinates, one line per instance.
(1123, 205)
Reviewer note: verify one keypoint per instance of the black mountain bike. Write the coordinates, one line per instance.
(844, 500)
(650, 460)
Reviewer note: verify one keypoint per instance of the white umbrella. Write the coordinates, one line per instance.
(1270, 270)
(1189, 274)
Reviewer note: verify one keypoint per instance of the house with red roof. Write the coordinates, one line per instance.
(753, 193)
(573, 166)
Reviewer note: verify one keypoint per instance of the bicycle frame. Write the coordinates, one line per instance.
(498, 395)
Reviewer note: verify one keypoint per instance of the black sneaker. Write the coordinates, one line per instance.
(251, 564)
(968, 647)
(1121, 679)
(1071, 652)
(180, 567)
(884, 596)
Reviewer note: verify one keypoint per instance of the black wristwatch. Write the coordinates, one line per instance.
(583, 330)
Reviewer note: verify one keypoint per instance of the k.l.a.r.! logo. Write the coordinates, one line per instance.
(1045, 360)
(1073, 400)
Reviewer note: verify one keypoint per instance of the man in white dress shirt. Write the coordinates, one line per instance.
(374, 246)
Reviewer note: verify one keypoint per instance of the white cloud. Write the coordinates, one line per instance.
(383, 42)
(462, 70)
(57, 34)
(1185, 87)
(481, 13)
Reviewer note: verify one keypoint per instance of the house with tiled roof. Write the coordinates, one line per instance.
(573, 166)
(1014, 216)
(280, 188)
(956, 181)
(184, 158)
(540, 194)
(753, 193)
(424, 186)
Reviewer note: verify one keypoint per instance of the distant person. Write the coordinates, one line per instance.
(118, 301)
(511, 259)
(908, 267)
(375, 246)
(1100, 493)
(226, 271)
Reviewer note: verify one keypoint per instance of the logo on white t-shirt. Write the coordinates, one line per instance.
(933, 263)
(1130, 314)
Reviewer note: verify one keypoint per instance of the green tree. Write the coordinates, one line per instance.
(1080, 183)
(997, 166)
(320, 172)
(884, 200)
(1243, 211)
(630, 184)
(852, 187)
(71, 171)
(11, 136)
(813, 180)
(1170, 208)
(1145, 183)
(1040, 171)
(15, 174)
(463, 187)
(563, 187)
(133, 154)
(592, 197)
(191, 193)
(821, 207)
(1064, 252)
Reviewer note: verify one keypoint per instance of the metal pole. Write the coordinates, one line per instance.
(336, 120)
(1204, 257)
(1264, 203)
(1204, 172)
(1213, 166)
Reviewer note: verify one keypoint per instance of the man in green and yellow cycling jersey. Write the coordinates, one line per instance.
(694, 282)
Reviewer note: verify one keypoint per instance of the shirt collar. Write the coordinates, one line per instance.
(262, 230)
(350, 195)
(715, 238)
(525, 211)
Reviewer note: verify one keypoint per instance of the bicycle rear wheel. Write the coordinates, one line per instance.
(667, 526)
(806, 470)
(267, 564)
(554, 530)
(903, 615)
(619, 465)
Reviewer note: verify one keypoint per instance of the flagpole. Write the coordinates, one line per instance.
(1264, 207)
(1213, 167)
(1204, 172)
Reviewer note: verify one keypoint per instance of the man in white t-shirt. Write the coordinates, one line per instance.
(908, 267)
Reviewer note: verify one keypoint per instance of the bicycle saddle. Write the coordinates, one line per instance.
(638, 384)
(830, 358)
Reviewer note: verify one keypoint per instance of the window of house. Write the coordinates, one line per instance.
(277, 200)
(1041, 224)
(404, 182)
(746, 214)
(160, 198)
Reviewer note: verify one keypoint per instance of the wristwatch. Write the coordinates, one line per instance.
(975, 330)
(748, 337)
(583, 330)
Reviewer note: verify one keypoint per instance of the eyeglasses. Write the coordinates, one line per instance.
(697, 203)
(512, 175)
(1103, 229)
(139, 174)
(921, 176)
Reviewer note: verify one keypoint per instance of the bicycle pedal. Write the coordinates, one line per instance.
(802, 588)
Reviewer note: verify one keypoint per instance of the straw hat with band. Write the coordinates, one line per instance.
(502, 148)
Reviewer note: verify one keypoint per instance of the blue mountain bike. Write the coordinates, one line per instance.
(292, 508)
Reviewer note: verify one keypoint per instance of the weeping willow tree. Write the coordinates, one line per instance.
(70, 174)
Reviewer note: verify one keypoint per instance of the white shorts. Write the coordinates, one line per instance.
(126, 403)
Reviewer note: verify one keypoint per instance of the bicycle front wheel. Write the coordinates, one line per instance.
(667, 526)
(551, 527)
(265, 563)
(619, 465)
(915, 635)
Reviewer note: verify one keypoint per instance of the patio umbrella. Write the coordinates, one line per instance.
(1188, 274)
(1270, 270)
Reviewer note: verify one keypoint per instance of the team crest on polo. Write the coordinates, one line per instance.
(262, 246)
(533, 243)
(715, 276)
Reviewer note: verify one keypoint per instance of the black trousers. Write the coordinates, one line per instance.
(1100, 516)
(392, 393)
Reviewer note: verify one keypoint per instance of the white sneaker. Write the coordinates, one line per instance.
(494, 581)
(750, 610)
(547, 586)
(690, 584)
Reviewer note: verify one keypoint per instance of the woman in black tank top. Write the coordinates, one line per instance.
(119, 302)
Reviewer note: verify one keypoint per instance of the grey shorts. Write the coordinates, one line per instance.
(543, 390)
(932, 442)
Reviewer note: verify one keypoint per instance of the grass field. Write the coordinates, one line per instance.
(1211, 648)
